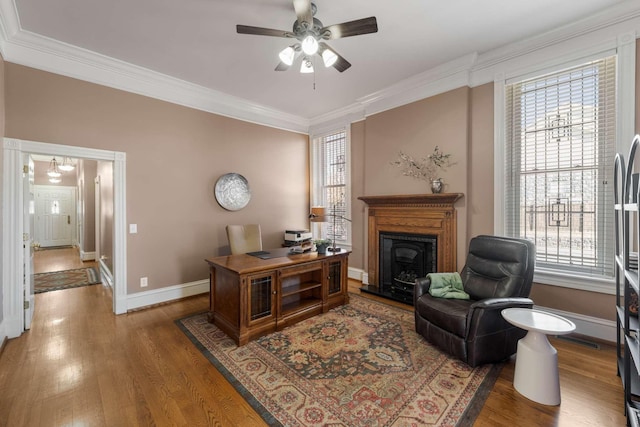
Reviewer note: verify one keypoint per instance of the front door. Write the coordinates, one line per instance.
(55, 215)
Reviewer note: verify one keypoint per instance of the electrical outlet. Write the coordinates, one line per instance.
(143, 282)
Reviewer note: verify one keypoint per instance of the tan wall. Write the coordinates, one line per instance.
(87, 172)
(174, 157)
(415, 129)
(480, 161)
(358, 221)
(178, 219)
(2, 133)
(104, 175)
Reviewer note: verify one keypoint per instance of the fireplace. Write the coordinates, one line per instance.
(409, 236)
(403, 258)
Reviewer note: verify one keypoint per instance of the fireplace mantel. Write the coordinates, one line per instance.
(423, 214)
(413, 200)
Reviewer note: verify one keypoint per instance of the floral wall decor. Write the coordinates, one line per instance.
(426, 169)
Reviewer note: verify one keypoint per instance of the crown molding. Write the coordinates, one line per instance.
(25, 48)
(593, 34)
(29, 49)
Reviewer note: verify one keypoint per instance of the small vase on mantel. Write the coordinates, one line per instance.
(437, 186)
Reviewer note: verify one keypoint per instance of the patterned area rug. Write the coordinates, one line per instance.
(360, 364)
(45, 282)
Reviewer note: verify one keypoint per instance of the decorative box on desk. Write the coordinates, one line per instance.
(252, 296)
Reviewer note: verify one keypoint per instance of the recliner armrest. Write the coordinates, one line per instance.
(500, 303)
(422, 287)
(485, 316)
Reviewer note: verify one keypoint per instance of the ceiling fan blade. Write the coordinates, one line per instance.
(282, 66)
(303, 11)
(341, 64)
(351, 28)
(259, 31)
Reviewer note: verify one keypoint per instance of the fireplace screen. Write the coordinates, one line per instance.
(403, 258)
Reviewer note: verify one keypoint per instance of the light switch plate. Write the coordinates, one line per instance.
(133, 228)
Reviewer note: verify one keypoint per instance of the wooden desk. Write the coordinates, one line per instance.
(251, 297)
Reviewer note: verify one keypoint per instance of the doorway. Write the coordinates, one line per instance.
(14, 225)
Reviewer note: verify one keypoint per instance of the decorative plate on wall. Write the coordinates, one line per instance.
(232, 191)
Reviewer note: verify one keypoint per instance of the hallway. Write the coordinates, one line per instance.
(49, 260)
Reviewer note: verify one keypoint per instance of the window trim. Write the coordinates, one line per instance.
(315, 178)
(625, 130)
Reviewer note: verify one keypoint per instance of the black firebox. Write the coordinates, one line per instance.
(403, 258)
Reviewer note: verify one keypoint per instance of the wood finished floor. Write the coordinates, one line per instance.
(82, 365)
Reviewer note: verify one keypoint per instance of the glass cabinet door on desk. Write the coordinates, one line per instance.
(335, 277)
(262, 292)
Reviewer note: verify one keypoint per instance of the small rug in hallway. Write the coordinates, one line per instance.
(360, 364)
(45, 282)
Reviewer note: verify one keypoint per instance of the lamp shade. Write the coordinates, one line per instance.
(329, 57)
(306, 66)
(310, 45)
(287, 54)
(318, 214)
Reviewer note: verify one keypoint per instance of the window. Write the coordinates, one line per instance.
(330, 184)
(559, 150)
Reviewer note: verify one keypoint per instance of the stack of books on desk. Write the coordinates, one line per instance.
(299, 240)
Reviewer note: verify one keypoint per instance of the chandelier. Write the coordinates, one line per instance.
(54, 169)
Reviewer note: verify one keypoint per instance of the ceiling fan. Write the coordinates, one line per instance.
(310, 33)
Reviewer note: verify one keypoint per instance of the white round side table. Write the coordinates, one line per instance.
(536, 376)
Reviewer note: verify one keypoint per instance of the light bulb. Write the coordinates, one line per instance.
(306, 66)
(310, 45)
(329, 57)
(286, 55)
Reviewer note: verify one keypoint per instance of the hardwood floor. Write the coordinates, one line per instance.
(48, 260)
(82, 365)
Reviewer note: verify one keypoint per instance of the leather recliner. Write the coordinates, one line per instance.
(498, 274)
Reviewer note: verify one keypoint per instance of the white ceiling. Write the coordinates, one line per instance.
(196, 40)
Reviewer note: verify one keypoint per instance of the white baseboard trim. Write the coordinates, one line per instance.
(3, 335)
(589, 326)
(170, 293)
(87, 256)
(357, 274)
(105, 274)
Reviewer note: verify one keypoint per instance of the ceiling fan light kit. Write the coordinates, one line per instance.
(287, 55)
(310, 32)
(306, 66)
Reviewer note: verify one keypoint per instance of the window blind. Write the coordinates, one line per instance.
(331, 155)
(560, 145)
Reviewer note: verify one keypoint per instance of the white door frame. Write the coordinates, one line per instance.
(13, 224)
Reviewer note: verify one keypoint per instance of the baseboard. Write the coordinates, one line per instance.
(3, 343)
(3, 336)
(356, 274)
(170, 293)
(105, 274)
(589, 326)
(87, 256)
